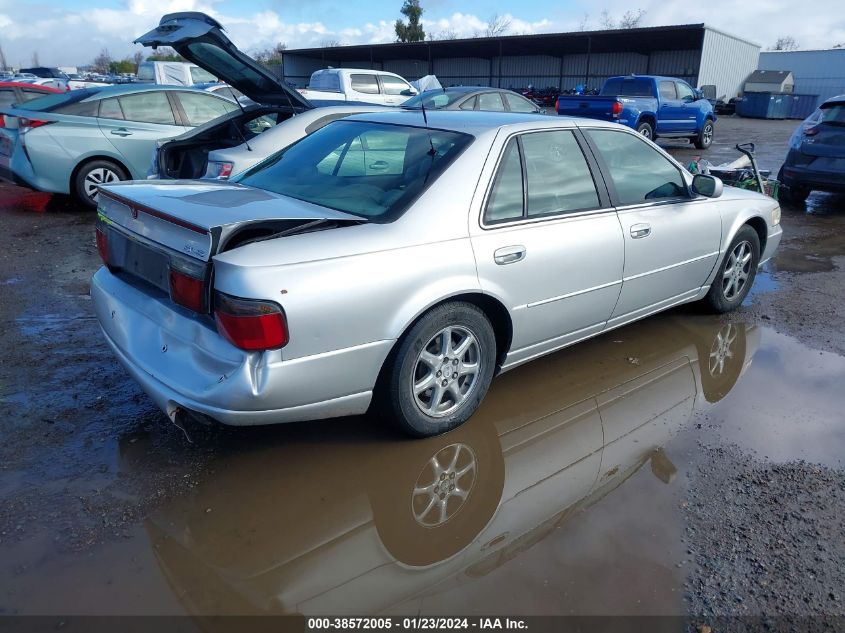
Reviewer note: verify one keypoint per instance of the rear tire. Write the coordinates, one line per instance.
(441, 370)
(644, 128)
(705, 136)
(736, 273)
(95, 173)
(796, 194)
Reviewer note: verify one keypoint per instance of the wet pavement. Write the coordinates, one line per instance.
(686, 464)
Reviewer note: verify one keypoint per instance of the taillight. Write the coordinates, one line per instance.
(557, 106)
(811, 131)
(220, 170)
(103, 245)
(250, 324)
(187, 291)
(617, 108)
(25, 125)
(2, 121)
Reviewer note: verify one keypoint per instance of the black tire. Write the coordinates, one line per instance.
(95, 172)
(723, 296)
(399, 402)
(796, 194)
(644, 128)
(705, 136)
(721, 357)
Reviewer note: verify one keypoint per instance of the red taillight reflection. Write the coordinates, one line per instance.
(30, 124)
(103, 245)
(811, 131)
(187, 291)
(617, 108)
(250, 325)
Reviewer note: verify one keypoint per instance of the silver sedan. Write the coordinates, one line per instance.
(399, 262)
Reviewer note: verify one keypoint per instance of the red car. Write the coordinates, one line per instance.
(19, 92)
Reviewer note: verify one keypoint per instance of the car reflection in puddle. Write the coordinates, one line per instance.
(322, 527)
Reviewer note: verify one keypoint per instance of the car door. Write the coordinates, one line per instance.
(395, 91)
(671, 237)
(689, 109)
(547, 242)
(364, 87)
(133, 123)
(671, 114)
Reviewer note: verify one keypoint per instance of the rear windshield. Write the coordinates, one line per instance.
(374, 170)
(433, 99)
(201, 76)
(833, 113)
(628, 88)
(56, 101)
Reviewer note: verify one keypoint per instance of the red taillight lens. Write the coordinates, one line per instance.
(811, 131)
(2, 121)
(249, 324)
(187, 291)
(617, 108)
(103, 245)
(30, 124)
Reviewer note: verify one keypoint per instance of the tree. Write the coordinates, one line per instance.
(165, 54)
(785, 43)
(35, 61)
(631, 19)
(102, 62)
(2, 59)
(584, 24)
(271, 56)
(447, 34)
(118, 67)
(413, 30)
(138, 57)
(498, 25)
(329, 43)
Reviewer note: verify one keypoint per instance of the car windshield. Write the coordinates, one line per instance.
(57, 100)
(628, 88)
(374, 170)
(833, 113)
(433, 100)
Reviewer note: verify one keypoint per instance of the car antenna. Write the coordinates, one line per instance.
(433, 151)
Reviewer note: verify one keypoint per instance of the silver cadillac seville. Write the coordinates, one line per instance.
(399, 261)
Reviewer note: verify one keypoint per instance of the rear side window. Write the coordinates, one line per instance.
(368, 84)
(507, 197)
(147, 107)
(639, 172)
(469, 104)
(110, 109)
(490, 102)
(200, 107)
(7, 96)
(667, 90)
(518, 104)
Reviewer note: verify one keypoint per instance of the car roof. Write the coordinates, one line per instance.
(122, 89)
(834, 100)
(24, 84)
(475, 122)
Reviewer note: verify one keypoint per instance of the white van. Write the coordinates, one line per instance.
(173, 74)
(354, 84)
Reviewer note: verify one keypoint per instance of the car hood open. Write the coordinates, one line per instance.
(200, 39)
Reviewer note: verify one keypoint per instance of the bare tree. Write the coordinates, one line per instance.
(102, 62)
(330, 43)
(497, 25)
(606, 20)
(2, 59)
(35, 61)
(137, 58)
(584, 24)
(447, 34)
(631, 19)
(785, 43)
(272, 55)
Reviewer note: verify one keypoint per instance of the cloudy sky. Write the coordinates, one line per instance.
(72, 32)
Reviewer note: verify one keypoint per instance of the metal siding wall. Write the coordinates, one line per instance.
(463, 71)
(816, 72)
(675, 63)
(407, 68)
(726, 63)
(298, 69)
(610, 64)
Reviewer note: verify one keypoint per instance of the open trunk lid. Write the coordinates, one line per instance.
(148, 231)
(200, 39)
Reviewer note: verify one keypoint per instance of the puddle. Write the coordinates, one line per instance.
(562, 495)
(763, 283)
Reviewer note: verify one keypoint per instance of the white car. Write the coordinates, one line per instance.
(358, 84)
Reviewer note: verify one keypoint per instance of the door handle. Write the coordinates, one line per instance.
(121, 131)
(509, 255)
(640, 230)
(379, 165)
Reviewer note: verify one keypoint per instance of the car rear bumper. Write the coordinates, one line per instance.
(18, 170)
(182, 363)
(814, 178)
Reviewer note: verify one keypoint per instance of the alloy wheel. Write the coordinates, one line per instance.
(96, 177)
(737, 270)
(707, 134)
(444, 485)
(446, 371)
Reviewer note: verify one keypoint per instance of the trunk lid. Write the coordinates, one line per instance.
(829, 141)
(149, 230)
(200, 39)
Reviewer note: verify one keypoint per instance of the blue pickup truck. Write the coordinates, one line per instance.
(653, 106)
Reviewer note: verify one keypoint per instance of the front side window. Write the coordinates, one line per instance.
(7, 96)
(147, 107)
(490, 102)
(639, 172)
(684, 91)
(394, 85)
(201, 108)
(368, 84)
(518, 104)
(369, 169)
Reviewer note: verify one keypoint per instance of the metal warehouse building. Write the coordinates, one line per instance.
(695, 52)
(820, 72)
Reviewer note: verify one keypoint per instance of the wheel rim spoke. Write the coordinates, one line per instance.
(441, 491)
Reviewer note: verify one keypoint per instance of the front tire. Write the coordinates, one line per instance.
(644, 128)
(736, 273)
(705, 136)
(441, 370)
(90, 175)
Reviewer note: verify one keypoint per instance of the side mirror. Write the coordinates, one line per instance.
(708, 186)
(409, 92)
